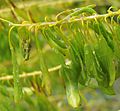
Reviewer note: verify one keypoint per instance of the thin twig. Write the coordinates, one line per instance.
(35, 73)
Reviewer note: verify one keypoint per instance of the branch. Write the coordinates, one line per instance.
(36, 73)
(43, 24)
(54, 23)
(39, 4)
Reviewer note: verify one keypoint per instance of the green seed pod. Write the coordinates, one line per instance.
(53, 44)
(55, 38)
(72, 90)
(100, 29)
(90, 64)
(17, 86)
(105, 58)
(101, 77)
(77, 64)
(116, 41)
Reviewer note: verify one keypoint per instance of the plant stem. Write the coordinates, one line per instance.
(44, 24)
(36, 73)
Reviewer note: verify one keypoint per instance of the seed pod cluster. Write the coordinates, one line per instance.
(93, 49)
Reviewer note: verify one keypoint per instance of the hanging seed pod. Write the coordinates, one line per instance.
(90, 64)
(100, 74)
(17, 87)
(71, 76)
(100, 29)
(107, 35)
(77, 65)
(53, 44)
(72, 91)
(78, 46)
(116, 41)
(105, 58)
(55, 38)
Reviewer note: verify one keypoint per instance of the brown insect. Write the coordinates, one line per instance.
(26, 45)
